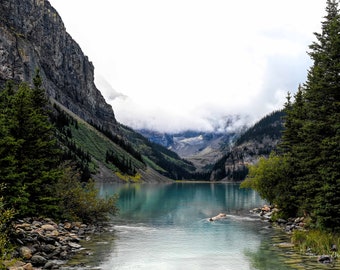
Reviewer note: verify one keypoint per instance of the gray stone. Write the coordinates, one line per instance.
(32, 35)
(38, 260)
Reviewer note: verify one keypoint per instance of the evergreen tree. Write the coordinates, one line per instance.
(29, 155)
(310, 147)
(312, 127)
(321, 128)
(38, 93)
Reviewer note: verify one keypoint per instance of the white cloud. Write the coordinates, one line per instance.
(182, 63)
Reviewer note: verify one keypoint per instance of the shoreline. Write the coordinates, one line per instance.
(41, 243)
(291, 225)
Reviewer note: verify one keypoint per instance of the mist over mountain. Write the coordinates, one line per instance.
(201, 147)
(33, 36)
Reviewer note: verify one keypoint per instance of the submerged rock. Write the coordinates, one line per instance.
(325, 259)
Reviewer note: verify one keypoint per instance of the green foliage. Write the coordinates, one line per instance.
(161, 159)
(120, 142)
(30, 158)
(80, 201)
(270, 126)
(310, 145)
(70, 149)
(6, 216)
(271, 179)
(316, 241)
(122, 163)
(29, 155)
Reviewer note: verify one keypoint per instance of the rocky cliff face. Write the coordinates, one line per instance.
(32, 35)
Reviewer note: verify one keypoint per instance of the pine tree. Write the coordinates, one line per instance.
(311, 139)
(9, 147)
(29, 155)
(310, 147)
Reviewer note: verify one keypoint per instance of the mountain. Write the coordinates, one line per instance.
(33, 36)
(257, 141)
(200, 147)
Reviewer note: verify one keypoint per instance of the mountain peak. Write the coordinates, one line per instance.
(34, 36)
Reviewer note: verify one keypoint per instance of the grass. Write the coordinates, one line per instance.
(316, 242)
(97, 144)
(128, 178)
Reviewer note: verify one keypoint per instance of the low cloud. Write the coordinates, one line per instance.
(210, 64)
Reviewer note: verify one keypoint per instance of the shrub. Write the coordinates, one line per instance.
(80, 201)
(6, 216)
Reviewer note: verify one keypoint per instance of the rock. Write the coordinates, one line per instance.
(44, 248)
(54, 233)
(32, 35)
(28, 266)
(68, 226)
(48, 248)
(74, 245)
(77, 224)
(49, 265)
(325, 259)
(256, 210)
(48, 227)
(25, 252)
(281, 221)
(38, 260)
(219, 216)
(25, 226)
(64, 255)
(36, 223)
(265, 208)
(334, 248)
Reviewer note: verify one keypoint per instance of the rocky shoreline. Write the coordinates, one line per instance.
(266, 212)
(44, 244)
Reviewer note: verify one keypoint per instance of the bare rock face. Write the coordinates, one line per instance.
(32, 35)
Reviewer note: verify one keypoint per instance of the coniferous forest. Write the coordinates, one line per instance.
(303, 177)
(45, 171)
(36, 168)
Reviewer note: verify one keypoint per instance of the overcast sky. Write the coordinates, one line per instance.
(184, 64)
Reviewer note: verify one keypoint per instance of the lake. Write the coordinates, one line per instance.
(166, 226)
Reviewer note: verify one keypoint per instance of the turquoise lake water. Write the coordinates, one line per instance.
(165, 226)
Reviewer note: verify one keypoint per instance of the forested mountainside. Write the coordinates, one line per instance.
(257, 141)
(33, 37)
(200, 148)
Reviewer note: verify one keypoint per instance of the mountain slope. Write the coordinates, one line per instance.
(259, 140)
(202, 148)
(33, 36)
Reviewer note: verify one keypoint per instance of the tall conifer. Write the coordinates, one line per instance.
(29, 155)
(316, 114)
(310, 147)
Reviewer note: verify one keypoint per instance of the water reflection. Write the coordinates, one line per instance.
(166, 227)
(146, 202)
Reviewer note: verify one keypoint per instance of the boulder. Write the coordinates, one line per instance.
(38, 260)
(25, 252)
(48, 227)
(325, 259)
